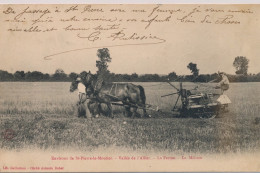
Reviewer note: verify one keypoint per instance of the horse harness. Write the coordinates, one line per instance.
(111, 89)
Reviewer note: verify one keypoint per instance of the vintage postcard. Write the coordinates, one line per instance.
(129, 88)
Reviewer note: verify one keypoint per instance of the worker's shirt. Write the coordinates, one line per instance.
(224, 81)
(81, 88)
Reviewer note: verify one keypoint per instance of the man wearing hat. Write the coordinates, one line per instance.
(83, 97)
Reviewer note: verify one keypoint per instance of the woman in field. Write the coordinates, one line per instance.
(83, 99)
(224, 83)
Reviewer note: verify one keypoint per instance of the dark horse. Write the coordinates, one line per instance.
(130, 95)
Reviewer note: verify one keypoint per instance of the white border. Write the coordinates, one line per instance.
(130, 1)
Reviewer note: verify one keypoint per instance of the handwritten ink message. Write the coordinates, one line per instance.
(116, 25)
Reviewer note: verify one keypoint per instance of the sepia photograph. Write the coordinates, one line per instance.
(129, 87)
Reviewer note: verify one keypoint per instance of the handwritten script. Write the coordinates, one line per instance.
(114, 25)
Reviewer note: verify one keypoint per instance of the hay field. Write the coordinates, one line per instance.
(42, 116)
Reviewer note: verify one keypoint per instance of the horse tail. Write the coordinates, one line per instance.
(142, 95)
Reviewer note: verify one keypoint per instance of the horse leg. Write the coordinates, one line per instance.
(134, 112)
(95, 108)
(91, 106)
(110, 110)
(99, 110)
(142, 105)
(127, 111)
(144, 112)
(142, 100)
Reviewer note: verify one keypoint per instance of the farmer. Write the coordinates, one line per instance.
(83, 97)
(224, 83)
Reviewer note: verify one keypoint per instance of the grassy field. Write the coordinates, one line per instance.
(42, 115)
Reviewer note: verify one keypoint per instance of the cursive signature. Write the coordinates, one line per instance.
(94, 36)
(133, 39)
(134, 36)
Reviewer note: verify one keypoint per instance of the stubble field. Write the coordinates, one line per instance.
(43, 116)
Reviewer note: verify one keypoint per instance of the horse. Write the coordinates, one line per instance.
(132, 96)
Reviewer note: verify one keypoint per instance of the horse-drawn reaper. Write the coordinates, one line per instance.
(132, 97)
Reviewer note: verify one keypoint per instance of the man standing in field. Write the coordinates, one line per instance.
(83, 99)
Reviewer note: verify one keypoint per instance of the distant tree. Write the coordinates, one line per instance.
(19, 75)
(111, 77)
(150, 78)
(46, 77)
(164, 78)
(257, 77)
(102, 63)
(172, 76)
(27, 75)
(188, 78)
(193, 68)
(34, 76)
(126, 77)
(73, 75)
(241, 65)
(5, 76)
(59, 71)
(203, 78)
(134, 77)
(59, 75)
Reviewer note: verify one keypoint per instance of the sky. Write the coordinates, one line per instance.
(212, 47)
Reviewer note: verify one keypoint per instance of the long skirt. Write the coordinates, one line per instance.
(83, 109)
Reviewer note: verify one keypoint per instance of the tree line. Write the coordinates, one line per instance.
(240, 63)
(60, 76)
